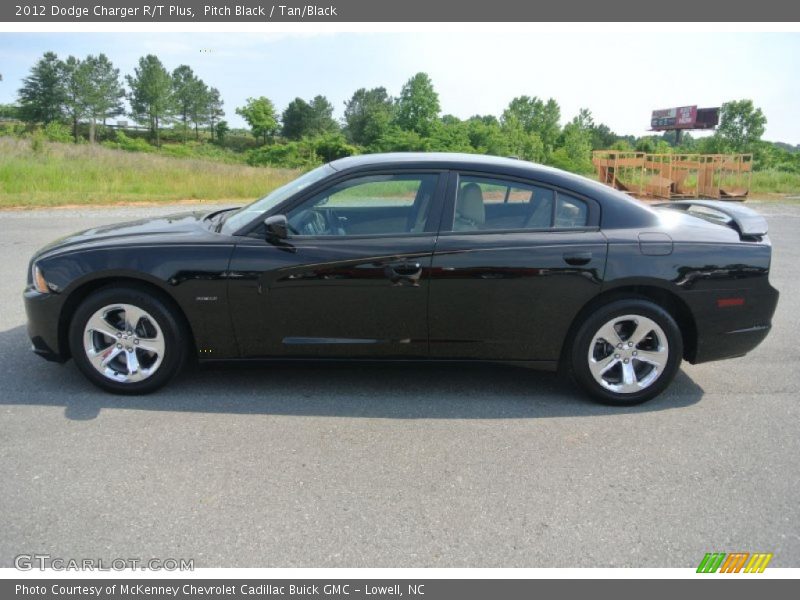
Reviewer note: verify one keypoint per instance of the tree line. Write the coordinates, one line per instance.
(375, 121)
(91, 90)
(305, 133)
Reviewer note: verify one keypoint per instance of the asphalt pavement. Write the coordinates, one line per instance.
(396, 466)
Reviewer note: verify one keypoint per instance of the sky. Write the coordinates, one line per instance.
(620, 77)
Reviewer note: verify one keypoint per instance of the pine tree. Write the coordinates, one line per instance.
(151, 94)
(104, 98)
(42, 95)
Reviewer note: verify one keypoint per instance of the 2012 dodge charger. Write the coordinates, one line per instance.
(414, 257)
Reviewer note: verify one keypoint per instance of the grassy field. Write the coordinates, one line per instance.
(775, 182)
(65, 174)
(52, 174)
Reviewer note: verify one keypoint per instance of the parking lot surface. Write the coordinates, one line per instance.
(396, 465)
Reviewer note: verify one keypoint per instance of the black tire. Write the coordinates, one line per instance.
(585, 339)
(171, 325)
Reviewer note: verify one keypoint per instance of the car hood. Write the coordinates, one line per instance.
(180, 227)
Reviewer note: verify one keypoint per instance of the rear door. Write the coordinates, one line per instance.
(352, 278)
(514, 263)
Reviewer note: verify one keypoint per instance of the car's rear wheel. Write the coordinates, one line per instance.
(626, 352)
(127, 340)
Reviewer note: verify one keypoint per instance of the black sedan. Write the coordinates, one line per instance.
(430, 257)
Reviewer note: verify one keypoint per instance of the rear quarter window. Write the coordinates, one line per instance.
(571, 212)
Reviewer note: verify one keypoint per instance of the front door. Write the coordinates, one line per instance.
(352, 278)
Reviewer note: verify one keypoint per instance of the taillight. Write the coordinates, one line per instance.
(728, 302)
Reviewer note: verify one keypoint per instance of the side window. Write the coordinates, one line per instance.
(571, 212)
(485, 204)
(372, 205)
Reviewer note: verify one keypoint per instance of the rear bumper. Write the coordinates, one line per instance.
(729, 344)
(43, 312)
(732, 331)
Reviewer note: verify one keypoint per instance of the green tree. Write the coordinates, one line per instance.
(622, 145)
(105, 94)
(522, 143)
(151, 94)
(602, 137)
(215, 111)
(308, 119)
(199, 110)
(367, 115)
(332, 146)
(535, 116)
(575, 150)
(653, 144)
(712, 144)
(486, 136)
(77, 85)
(91, 91)
(395, 139)
(296, 119)
(449, 134)
(42, 95)
(221, 129)
(9, 111)
(578, 147)
(261, 116)
(292, 155)
(322, 121)
(741, 126)
(186, 89)
(584, 120)
(418, 105)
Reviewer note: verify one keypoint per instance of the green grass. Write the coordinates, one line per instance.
(775, 182)
(53, 174)
(34, 173)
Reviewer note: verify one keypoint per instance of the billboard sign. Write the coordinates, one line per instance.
(682, 117)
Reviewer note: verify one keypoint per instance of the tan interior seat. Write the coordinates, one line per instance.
(470, 211)
(542, 215)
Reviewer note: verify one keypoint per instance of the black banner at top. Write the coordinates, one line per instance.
(342, 11)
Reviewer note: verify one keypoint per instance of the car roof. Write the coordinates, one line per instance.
(428, 158)
(618, 209)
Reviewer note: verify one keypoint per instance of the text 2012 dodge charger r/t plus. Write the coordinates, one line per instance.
(414, 257)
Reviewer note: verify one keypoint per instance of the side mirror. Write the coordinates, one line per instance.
(277, 227)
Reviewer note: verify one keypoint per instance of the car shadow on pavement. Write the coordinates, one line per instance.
(392, 391)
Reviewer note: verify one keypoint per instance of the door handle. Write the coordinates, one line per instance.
(577, 259)
(409, 271)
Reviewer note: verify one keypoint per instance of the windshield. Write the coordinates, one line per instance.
(244, 215)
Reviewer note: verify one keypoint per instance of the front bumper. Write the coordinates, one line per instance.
(43, 312)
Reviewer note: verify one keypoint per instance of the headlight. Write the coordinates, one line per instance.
(39, 282)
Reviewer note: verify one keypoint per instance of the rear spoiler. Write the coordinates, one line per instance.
(747, 221)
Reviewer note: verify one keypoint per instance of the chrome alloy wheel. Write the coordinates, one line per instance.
(628, 354)
(124, 343)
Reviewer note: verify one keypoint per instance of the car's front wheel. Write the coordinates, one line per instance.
(126, 340)
(626, 352)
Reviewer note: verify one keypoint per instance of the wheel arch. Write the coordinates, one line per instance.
(661, 296)
(85, 289)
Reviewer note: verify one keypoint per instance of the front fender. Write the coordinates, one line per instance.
(193, 277)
